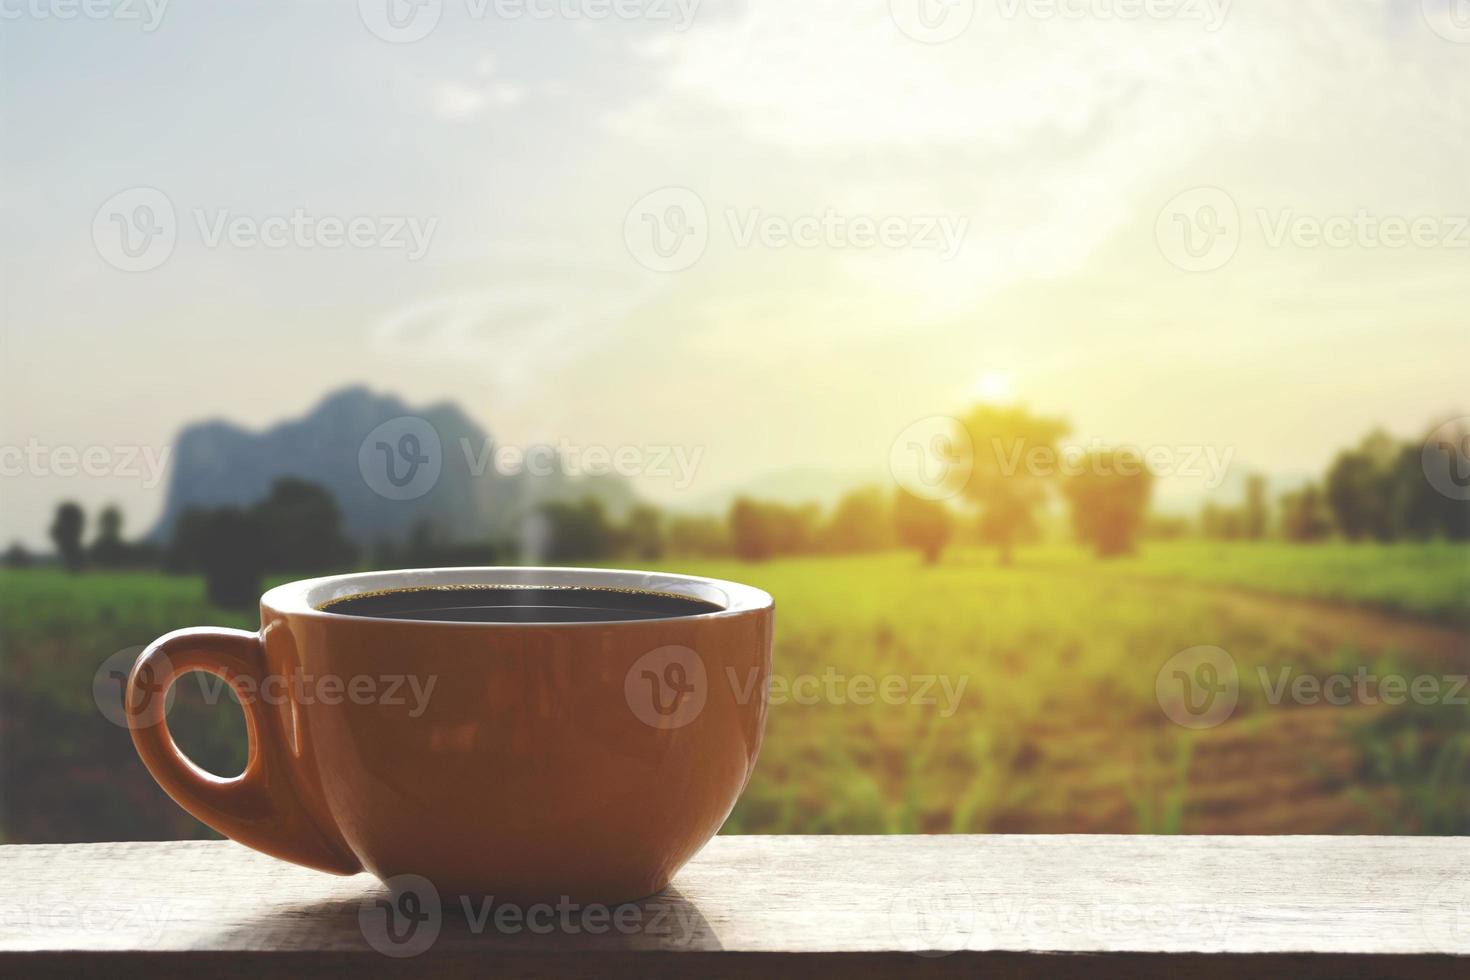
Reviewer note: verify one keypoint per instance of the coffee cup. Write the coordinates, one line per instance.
(532, 733)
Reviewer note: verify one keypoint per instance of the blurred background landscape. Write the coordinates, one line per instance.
(1027, 618)
(1099, 381)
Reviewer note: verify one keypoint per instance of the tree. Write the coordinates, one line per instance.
(749, 531)
(302, 528)
(66, 533)
(1421, 472)
(1013, 454)
(185, 551)
(577, 530)
(17, 556)
(705, 537)
(1256, 517)
(1303, 518)
(108, 548)
(643, 533)
(1109, 499)
(1166, 527)
(860, 522)
(1359, 488)
(232, 555)
(760, 529)
(1385, 489)
(922, 524)
(428, 547)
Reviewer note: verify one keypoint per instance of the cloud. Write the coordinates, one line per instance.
(524, 320)
(455, 100)
(1051, 134)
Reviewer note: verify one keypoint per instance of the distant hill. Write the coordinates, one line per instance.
(217, 463)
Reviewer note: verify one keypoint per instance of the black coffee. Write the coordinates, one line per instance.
(519, 604)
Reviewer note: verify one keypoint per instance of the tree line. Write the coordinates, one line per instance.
(1377, 490)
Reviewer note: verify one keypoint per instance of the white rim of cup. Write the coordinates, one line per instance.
(306, 597)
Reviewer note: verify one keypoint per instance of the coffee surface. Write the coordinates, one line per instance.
(519, 604)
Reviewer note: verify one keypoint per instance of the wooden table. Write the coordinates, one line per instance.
(814, 906)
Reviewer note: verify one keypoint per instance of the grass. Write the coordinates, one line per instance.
(1023, 699)
(1058, 727)
(1430, 580)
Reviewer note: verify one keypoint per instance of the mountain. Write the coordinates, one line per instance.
(217, 463)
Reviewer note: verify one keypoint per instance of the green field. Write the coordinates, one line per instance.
(1039, 679)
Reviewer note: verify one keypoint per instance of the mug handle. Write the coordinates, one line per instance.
(260, 807)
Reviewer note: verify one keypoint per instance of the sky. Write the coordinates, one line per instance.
(779, 233)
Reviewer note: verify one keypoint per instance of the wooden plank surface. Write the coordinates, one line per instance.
(1054, 906)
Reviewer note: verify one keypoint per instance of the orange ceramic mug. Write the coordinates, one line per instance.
(532, 761)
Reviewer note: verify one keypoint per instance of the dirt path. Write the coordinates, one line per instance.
(1282, 769)
(1328, 625)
